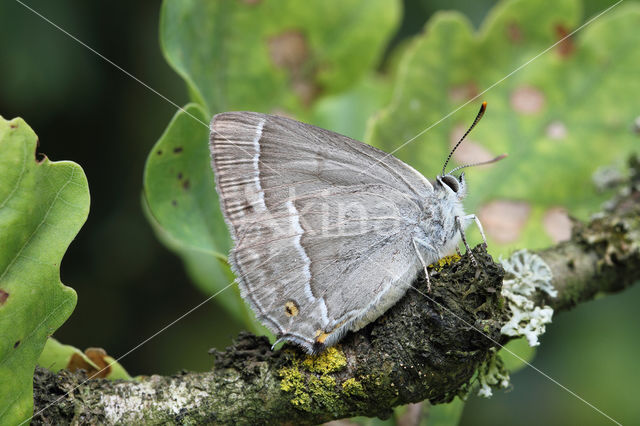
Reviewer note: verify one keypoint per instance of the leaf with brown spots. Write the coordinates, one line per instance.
(264, 56)
(182, 205)
(43, 204)
(560, 117)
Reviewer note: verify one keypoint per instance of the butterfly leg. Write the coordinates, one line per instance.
(424, 265)
(479, 225)
(459, 223)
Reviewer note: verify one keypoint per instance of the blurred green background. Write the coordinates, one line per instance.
(129, 285)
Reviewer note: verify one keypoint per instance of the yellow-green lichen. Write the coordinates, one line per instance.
(309, 382)
(445, 261)
(329, 361)
(353, 388)
(323, 392)
(293, 381)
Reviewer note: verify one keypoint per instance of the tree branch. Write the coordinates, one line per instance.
(424, 348)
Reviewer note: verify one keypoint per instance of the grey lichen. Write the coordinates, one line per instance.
(525, 274)
(607, 177)
(492, 374)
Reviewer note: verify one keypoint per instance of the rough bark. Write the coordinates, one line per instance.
(424, 348)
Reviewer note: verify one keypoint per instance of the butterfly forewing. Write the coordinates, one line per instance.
(318, 221)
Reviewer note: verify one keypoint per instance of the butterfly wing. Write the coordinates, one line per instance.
(322, 224)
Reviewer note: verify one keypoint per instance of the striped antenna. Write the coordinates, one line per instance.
(483, 108)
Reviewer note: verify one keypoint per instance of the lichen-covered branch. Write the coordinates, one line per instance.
(427, 347)
(418, 350)
(601, 257)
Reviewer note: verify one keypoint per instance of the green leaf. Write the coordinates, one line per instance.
(560, 117)
(181, 203)
(180, 196)
(55, 356)
(43, 204)
(348, 112)
(179, 186)
(265, 55)
(94, 361)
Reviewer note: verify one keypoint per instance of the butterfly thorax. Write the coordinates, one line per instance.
(438, 222)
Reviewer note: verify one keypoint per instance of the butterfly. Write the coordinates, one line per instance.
(328, 232)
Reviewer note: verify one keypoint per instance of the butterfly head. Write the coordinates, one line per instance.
(457, 186)
(452, 185)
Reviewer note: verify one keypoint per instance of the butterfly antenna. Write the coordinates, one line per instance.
(483, 108)
(480, 163)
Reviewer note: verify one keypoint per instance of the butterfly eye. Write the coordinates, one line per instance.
(451, 182)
